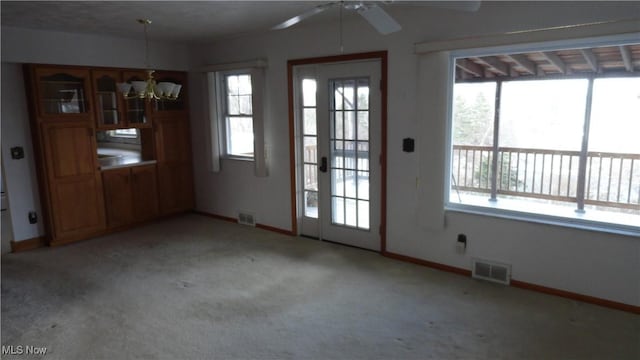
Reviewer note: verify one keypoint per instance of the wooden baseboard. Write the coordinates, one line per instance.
(523, 285)
(259, 226)
(29, 244)
(275, 229)
(576, 296)
(430, 264)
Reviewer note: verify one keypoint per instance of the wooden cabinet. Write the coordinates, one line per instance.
(74, 185)
(131, 194)
(81, 200)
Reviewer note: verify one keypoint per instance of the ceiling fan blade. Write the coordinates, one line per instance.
(305, 15)
(379, 19)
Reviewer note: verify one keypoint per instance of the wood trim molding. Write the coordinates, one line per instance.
(259, 226)
(522, 285)
(29, 244)
(576, 296)
(431, 264)
(373, 55)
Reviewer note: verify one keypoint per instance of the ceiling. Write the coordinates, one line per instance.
(574, 62)
(179, 21)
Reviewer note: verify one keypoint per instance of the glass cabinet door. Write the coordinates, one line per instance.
(62, 92)
(136, 108)
(107, 99)
(171, 106)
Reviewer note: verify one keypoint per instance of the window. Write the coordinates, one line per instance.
(124, 133)
(236, 107)
(549, 136)
(237, 111)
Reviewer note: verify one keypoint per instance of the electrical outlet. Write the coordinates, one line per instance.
(33, 217)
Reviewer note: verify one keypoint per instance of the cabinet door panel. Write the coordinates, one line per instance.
(175, 187)
(117, 194)
(75, 185)
(70, 149)
(172, 140)
(78, 207)
(144, 191)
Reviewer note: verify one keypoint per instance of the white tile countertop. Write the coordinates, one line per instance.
(113, 158)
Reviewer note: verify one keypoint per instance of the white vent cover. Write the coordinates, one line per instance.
(246, 218)
(491, 271)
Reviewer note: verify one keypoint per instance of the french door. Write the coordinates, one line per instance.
(338, 111)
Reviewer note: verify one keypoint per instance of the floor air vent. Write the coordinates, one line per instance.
(491, 271)
(246, 219)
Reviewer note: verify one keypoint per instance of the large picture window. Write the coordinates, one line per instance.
(548, 135)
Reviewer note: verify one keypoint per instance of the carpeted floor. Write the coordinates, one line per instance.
(196, 288)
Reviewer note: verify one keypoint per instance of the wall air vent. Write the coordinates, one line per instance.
(491, 271)
(246, 218)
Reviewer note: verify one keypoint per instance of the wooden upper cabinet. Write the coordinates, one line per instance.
(136, 109)
(171, 107)
(109, 103)
(63, 93)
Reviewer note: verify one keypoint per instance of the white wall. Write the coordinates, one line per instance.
(34, 46)
(591, 263)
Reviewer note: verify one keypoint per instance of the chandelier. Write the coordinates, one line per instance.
(149, 89)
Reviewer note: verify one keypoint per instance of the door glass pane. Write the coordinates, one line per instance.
(308, 93)
(350, 158)
(311, 177)
(363, 214)
(351, 212)
(107, 104)
(311, 204)
(337, 210)
(310, 149)
(309, 121)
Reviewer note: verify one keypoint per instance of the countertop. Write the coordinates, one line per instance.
(113, 158)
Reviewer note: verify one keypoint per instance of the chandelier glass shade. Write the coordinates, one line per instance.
(149, 89)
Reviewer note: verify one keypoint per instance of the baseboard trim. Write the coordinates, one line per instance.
(576, 296)
(275, 229)
(431, 264)
(522, 285)
(29, 244)
(230, 219)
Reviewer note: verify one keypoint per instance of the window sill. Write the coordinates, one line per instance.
(239, 158)
(550, 215)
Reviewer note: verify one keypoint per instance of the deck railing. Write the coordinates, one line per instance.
(611, 179)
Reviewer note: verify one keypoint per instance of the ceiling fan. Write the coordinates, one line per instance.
(374, 14)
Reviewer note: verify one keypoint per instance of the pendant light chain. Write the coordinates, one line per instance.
(146, 45)
(341, 43)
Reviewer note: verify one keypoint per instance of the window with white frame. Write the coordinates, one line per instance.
(549, 135)
(236, 110)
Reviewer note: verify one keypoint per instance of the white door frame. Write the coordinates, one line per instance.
(295, 135)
